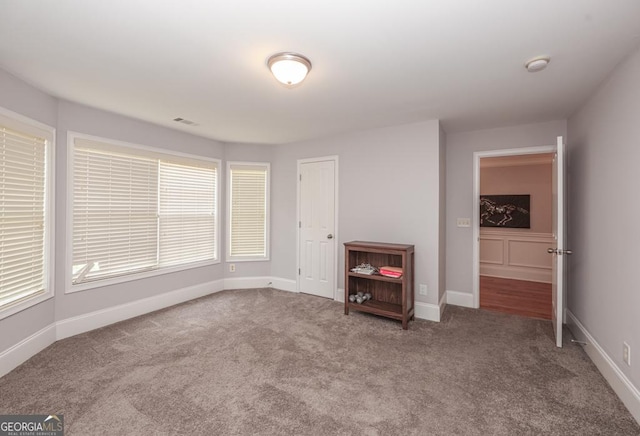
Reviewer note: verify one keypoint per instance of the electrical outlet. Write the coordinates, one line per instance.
(232, 267)
(626, 353)
(423, 290)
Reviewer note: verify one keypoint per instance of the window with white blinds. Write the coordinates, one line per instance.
(248, 235)
(24, 216)
(115, 214)
(187, 213)
(136, 210)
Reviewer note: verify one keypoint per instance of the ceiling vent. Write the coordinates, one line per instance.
(183, 121)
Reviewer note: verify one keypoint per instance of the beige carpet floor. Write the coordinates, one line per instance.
(264, 361)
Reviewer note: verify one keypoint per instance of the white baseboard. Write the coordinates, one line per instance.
(339, 295)
(430, 311)
(247, 282)
(100, 318)
(457, 298)
(284, 284)
(621, 385)
(26, 348)
(260, 282)
(529, 274)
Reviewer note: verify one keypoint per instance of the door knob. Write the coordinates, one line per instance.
(329, 236)
(559, 252)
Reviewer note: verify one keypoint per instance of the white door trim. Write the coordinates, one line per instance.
(336, 233)
(476, 203)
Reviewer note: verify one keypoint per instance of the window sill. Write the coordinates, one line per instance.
(71, 288)
(24, 305)
(246, 259)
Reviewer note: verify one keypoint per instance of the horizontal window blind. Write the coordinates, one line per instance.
(187, 213)
(115, 213)
(248, 214)
(23, 170)
(137, 210)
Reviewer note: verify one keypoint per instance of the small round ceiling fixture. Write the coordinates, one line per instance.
(289, 68)
(537, 64)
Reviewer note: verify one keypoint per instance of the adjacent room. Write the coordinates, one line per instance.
(516, 216)
(316, 217)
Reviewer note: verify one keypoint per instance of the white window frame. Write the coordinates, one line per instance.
(69, 286)
(266, 257)
(24, 124)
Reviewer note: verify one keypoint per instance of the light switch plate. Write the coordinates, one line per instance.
(464, 222)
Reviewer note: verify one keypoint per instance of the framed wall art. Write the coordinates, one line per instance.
(508, 211)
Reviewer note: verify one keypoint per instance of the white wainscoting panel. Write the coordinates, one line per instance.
(491, 250)
(516, 255)
(529, 254)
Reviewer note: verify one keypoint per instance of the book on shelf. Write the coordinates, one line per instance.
(391, 271)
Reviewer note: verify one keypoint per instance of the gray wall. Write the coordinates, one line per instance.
(21, 98)
(25, 100)
(442, 217)
(603, 158)
(459, 173)
(401, 162)
(82, 119)
(534, 180)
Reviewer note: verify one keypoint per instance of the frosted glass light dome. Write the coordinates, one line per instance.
(289, 68)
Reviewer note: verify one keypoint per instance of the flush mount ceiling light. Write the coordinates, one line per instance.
(537, 64)
(289, 68)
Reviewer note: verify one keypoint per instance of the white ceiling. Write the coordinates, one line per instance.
(375, 63)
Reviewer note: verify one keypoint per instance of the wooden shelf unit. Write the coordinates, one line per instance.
(392, 298)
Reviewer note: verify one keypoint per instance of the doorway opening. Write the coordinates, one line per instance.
(513, 271)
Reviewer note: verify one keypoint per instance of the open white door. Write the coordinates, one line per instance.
(559, 251)
(317, 253)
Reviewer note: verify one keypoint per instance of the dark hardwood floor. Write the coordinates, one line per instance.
(519, 297)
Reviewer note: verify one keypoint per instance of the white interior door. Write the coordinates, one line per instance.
(316, 274)
(559, 252)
